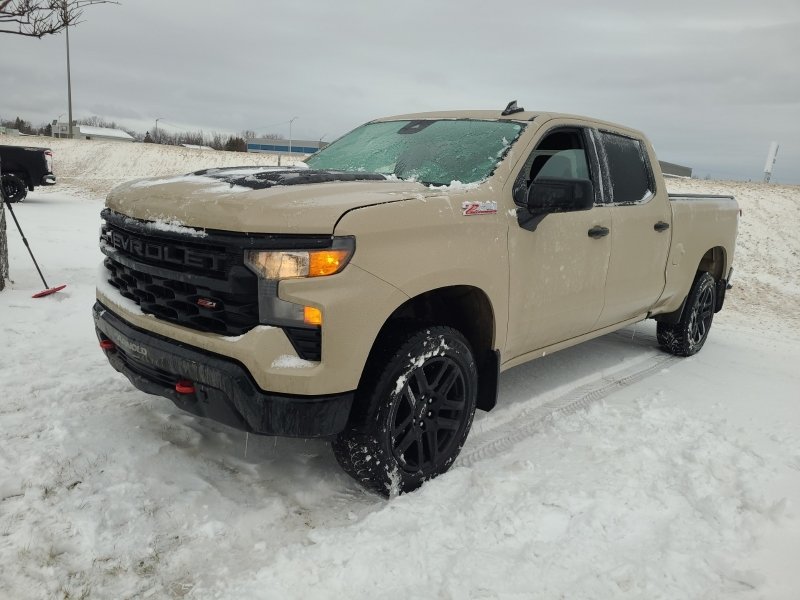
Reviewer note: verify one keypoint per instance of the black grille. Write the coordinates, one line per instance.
(185, 279)
(207, 308)
(196, 279)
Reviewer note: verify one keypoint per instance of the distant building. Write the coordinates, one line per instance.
(87, 132)
(9, 131)
(671, 169)
(282, 146)
(196, 147)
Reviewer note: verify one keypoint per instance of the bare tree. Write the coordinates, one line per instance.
(37, 18)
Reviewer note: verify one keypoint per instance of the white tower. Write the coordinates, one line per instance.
(771, 156)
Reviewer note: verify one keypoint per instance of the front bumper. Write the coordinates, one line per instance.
(223, 389)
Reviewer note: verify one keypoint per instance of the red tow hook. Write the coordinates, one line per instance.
(184, 386)
(108, 345)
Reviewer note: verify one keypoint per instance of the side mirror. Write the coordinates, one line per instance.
(552, 195)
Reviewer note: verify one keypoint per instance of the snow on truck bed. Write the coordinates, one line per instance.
(610, 470)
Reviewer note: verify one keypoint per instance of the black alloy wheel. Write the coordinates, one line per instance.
(701, 316)
(687, 336)
(428, 415)
(413, 411)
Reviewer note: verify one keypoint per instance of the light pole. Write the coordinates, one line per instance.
(292, 120)
(156, 132)
(69, 89)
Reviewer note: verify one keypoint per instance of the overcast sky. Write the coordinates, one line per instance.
(712, 82)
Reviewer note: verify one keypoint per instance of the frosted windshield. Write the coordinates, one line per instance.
(436, 152)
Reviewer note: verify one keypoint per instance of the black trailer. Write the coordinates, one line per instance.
(24, 168)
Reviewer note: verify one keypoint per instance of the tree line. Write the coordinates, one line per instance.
(214, 139)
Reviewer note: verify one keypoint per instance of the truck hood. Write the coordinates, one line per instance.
(259, 199)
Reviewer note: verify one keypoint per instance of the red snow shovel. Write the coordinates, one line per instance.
(48, 290)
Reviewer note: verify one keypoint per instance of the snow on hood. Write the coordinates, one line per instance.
(262, 199)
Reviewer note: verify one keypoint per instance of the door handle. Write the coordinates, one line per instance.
(597, 232)
(661, 226)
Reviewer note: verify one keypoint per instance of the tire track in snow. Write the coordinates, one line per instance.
(492, 442)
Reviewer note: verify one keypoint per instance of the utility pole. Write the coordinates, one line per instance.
(69, 88)
(292, 120)
(158, 140)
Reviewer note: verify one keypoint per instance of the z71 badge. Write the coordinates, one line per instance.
(478, 208)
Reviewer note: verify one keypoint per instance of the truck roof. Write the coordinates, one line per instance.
(526, 115)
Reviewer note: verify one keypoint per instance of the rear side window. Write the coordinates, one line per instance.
(628, 174)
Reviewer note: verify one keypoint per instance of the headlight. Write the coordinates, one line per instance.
(290, 264)
(272, 266)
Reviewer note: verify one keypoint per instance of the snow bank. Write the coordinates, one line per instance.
(96, 167)
(767, 262)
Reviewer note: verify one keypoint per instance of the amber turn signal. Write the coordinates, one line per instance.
(326, 262)
(312, 316)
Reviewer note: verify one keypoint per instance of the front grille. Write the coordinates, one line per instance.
(196, 278)
(207, 308)
(193, 279)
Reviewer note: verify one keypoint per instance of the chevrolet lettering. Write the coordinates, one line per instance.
(164, 252)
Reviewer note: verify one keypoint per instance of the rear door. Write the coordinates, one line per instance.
(640, 228)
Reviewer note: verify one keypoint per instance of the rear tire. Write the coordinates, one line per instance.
(415, 413)
(14, 188)
(687, 336)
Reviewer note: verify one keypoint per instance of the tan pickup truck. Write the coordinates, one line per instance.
(374, 297)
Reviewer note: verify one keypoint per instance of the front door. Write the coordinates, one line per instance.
(557, 269)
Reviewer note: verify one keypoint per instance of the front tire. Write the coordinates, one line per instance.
(14, 188)
(687, 336)
(415, 413)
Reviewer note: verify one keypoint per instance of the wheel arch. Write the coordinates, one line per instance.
(465, 308)
(715, 262)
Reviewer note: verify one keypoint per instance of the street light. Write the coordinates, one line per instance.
(158, 141)
(292, 120)
(69, 88)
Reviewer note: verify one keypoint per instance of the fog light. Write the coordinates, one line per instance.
(312, 316)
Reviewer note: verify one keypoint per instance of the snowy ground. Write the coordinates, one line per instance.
(610, 470)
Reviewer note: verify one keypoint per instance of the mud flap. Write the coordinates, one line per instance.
(488, 380)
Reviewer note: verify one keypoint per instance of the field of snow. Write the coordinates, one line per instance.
(609, 470)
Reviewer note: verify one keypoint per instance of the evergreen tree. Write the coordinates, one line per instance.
(236, 144)
(147, 138)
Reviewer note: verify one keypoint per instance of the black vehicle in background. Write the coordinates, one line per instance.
(24, 169)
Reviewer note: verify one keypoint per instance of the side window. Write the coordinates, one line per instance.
(561, 154)
(628, 175)
(566, 164)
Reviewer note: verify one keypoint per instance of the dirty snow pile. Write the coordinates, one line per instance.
(609, 470)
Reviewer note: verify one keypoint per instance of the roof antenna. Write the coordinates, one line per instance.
(512, 108)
